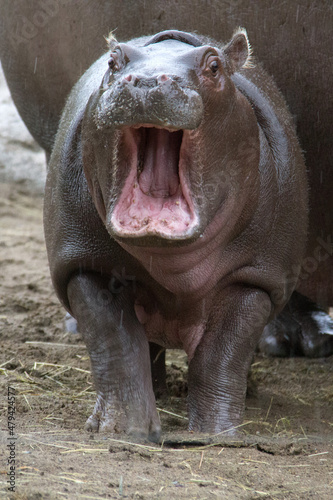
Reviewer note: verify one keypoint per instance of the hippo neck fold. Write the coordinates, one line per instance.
(269, 123)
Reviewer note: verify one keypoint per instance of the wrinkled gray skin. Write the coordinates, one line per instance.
(43, 56)
(211, 140)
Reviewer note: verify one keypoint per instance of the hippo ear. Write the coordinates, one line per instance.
(111, 41)
(238, 51)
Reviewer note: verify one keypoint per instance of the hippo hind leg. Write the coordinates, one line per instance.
(119, 355)
(301, 329)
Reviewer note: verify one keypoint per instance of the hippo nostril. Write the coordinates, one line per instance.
(162, 78)
(133, 80)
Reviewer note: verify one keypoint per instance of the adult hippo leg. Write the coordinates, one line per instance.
(301, 329)
(218, 370)
(119, 354)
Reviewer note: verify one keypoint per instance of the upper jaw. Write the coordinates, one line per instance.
(168, 105)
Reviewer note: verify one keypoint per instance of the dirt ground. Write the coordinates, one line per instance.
(285, 449)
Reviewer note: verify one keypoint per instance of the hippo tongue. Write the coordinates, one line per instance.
(159, 157)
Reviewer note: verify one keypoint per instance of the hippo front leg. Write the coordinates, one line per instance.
(119, 354)
(219, 367)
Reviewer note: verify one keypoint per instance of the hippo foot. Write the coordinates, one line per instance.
(223, 429)
(118, 418)
(301, 329)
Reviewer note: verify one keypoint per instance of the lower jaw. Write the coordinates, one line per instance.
(158, 240)
(153, 232)
(144, 215)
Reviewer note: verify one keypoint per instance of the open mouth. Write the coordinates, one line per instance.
(155, 199)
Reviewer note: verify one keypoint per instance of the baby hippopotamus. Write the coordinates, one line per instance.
(176, 215)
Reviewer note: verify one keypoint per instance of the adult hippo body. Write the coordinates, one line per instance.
(176, 214)
(46, 46)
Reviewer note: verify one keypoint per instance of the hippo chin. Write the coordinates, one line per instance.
(176, 215)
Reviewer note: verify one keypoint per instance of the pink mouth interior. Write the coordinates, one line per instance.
(155, 198)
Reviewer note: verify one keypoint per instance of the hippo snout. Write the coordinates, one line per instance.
(160, 100)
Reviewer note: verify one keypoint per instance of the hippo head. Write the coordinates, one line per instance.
(160, 132)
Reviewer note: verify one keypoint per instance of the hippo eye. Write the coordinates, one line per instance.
(112, 63)
(116, 60)
(211, 63)
(214, 67)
